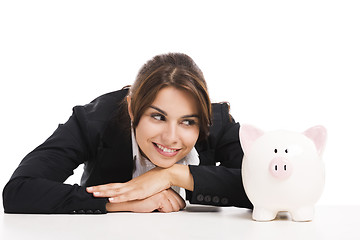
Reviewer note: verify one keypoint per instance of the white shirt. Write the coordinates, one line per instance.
(142, 164)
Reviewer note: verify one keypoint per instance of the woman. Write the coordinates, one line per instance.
(135, 145)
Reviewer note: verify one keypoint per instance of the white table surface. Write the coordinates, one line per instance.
(195, 222)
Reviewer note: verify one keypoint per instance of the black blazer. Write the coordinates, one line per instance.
(97, 136)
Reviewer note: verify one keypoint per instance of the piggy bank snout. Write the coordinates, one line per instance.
(280, 168)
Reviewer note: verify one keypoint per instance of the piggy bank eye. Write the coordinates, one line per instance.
(275, 151)
(286, 151)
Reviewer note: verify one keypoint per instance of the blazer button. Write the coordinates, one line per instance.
(200, 197)
(207, 198)
(89, 212)
(216, 199)
(97, 211)
(81, 211)
(224, 201)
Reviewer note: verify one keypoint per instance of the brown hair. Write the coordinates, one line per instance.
(176, 70)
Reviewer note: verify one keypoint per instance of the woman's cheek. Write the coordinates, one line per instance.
(151, 128)
(190, 136)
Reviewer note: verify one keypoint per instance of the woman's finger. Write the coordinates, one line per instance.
(171, 201)
(109, 190)
(176, 200)
(126, 194)
(175, 206)
(165, 204)
(180, 201)
(107, 193)
(118, 192)
(104, 187)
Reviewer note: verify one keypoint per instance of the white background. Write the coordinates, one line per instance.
(281, 64)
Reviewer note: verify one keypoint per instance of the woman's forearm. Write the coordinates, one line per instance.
(122, 207)
(38, 195)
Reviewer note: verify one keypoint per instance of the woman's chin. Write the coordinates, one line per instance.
(165, 165)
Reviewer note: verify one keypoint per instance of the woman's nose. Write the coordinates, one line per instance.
(170, 134)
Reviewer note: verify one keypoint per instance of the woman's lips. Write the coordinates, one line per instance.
(167, 152)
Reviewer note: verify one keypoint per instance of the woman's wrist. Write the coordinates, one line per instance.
(180, 175)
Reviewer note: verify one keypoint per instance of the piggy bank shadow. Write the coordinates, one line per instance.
(245, 215)
(281, 216)
(202, 208)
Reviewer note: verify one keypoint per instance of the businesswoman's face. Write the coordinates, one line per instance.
(169, 128)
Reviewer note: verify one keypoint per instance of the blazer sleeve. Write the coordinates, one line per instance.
(220, 185)
(37, 185)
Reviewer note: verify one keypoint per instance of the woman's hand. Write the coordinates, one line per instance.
(146, 185)
(165, 201)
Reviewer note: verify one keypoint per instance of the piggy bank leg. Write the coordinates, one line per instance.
(303, 214)
(262, 214)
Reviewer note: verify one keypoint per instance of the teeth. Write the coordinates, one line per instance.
(164, 149)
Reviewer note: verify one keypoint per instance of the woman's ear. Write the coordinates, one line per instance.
(128, 99)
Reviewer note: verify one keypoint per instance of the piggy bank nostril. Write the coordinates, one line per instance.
(276, 167)
(280, 168)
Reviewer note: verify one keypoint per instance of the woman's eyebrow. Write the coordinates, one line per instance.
(185, 116)
(159, 110)
(191, 116)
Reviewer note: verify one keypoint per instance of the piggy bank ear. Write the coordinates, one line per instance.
(318, 135)
(248, 134)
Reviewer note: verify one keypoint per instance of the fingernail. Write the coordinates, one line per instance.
(89, 188)
(111, 199)
(96, 193)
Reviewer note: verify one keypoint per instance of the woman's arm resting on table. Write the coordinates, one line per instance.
(165, 201)
(36, 195)
(146, 185)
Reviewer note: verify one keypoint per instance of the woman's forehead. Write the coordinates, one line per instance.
(176, 102)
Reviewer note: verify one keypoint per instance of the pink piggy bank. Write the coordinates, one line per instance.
(283, 171)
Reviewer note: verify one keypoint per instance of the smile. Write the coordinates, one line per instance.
(168, 152)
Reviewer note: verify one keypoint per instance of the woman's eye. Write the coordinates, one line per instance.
(158, 117)
(188, 122)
